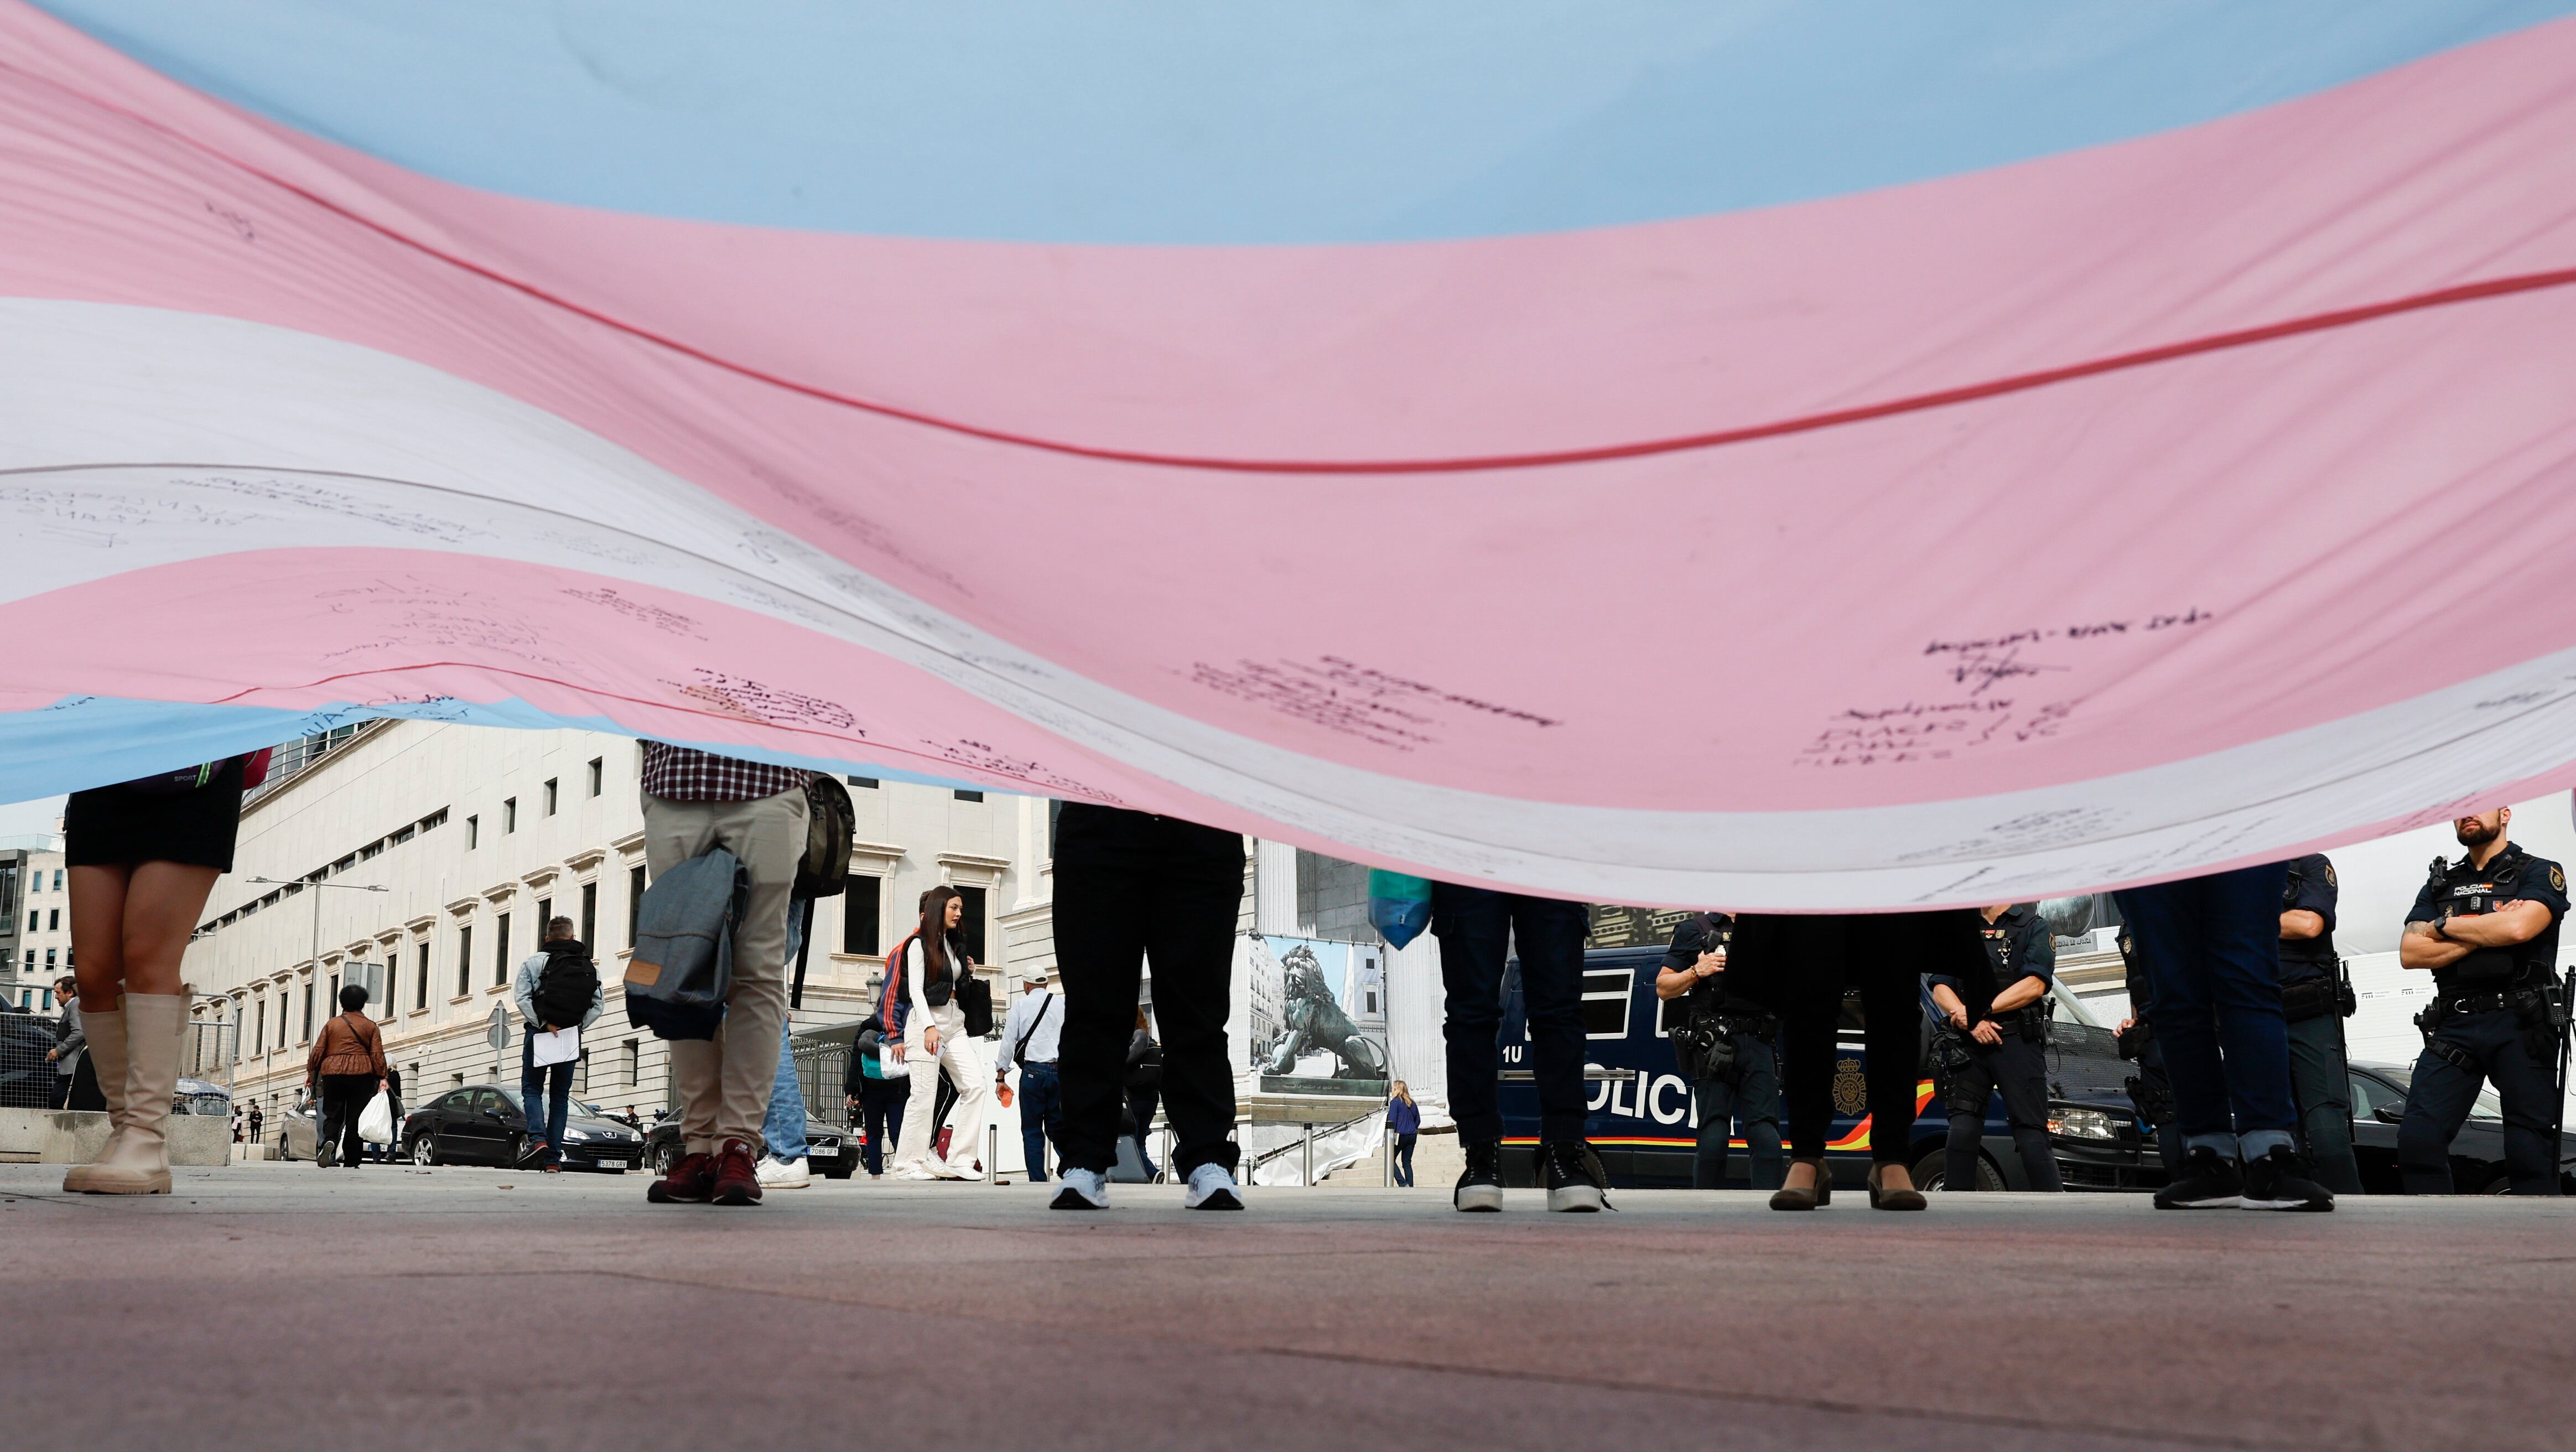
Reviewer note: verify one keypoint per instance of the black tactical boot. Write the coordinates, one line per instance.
(2208, 1181)
(2279, 1181)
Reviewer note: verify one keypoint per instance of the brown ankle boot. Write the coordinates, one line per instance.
(137, 1159)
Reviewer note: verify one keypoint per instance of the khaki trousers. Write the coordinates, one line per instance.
(725, 1096)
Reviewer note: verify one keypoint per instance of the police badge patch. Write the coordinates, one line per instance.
(1851, 1088)
(2330, 874)
(2557, 878)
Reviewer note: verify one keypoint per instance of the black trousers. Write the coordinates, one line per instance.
(344, 1098)
(1478, 929)
(1127, 891)
(2018, 1070)
(881, 1103)
(1805, 962)
(2445, 1092)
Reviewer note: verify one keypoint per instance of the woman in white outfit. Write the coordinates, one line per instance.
(935, 1040)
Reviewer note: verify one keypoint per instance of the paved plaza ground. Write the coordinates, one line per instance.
(274, 1305)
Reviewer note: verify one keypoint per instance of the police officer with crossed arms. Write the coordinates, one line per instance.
(2486, 927)
(1992, 1033)
(1726, 1048)
(2313, 1005)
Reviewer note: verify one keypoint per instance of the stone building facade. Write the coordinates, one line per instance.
(421, 858)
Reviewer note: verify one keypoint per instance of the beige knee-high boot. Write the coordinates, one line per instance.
(137, 1160)
(105, 1031)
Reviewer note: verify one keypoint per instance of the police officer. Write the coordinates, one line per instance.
(2151, 1089)
(2313, 1005)
(2486, 927)
(1991, 1039)
(1730, 1054)
(1726, 1049)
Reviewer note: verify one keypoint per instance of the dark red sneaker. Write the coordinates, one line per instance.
(736, 1177)
(690, 1182)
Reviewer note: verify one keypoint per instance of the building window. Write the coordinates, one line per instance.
(54, 920)
(860, 904)
(464, 959)
(632, 1052)
(473, 833)
(970, 923)
(49, 960)
(420, 978)
(35, 919)
(501, 950)
(393, 980)
(598, 774)
(58, 879)
(308, 1013)
(259, 1040)
(868, 782)
(545, 919)
(509, 815)
(634, 903)
(550, 796)
(965, 796)
(589, 914)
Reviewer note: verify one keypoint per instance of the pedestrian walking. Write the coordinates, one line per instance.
(345, 1068)
(1144, 1086)
(935, 966)
(693, 801)
(142, 856)
(1034, 1029)
(1129, 886)
(75, 1083)
(258, 1123)
(557, 987)
(1404, 1122)
(878, 1089)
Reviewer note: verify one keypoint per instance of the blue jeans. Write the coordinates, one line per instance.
(2212, 950)
(1476, 928)
(1041, 1115)
(1751, 1106)
(782, 1130)
(553, 1085)
(1404, 1161)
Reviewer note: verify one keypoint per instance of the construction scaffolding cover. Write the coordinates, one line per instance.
(1785, 456)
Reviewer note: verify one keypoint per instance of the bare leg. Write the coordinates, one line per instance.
(98, 936)
(162, 901)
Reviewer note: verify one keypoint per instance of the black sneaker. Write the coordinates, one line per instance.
(2279, 1181)
(1481, 1187)
(2207, 1182)
(1573, 1176)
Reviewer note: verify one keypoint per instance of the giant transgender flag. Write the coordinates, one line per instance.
(1763, 454)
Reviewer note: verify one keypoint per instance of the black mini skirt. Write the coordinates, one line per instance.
(114, 826)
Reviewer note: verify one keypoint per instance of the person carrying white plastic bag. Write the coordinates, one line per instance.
(376, 1124)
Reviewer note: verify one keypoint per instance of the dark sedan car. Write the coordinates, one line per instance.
(482, 1124)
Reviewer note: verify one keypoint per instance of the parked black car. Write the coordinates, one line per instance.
(830, 1153)
(482, 1124)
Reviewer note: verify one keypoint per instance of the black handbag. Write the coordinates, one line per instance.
(975, 1002)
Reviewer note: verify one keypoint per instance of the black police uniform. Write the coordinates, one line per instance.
(2313, 1010)
(2018, 946)
(1728, 1049)
(2151, 1088)
(2489, 1020)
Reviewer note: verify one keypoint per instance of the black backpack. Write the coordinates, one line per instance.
(830, 825)
(566, 985)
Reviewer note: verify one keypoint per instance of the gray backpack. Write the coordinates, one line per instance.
(682, 971)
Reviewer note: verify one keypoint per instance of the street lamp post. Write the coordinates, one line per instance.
(317, 905)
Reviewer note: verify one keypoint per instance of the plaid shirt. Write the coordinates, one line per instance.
(680, 774)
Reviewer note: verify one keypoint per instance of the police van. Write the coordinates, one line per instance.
(1643, 1122)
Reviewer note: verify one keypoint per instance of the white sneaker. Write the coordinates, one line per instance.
(1083, 1190)
(777, 1174)
(942, 1170)
(1212, 1187)
(910, 1172)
